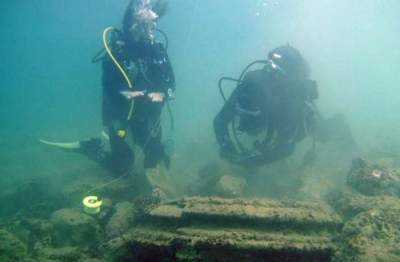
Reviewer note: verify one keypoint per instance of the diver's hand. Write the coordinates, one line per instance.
(156, 97)
(132, 94)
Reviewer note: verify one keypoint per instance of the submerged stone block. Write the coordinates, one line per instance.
(372, 235)
(121, 220)
(371, 231)
(216, 229)
(73, 227)
(373, 179)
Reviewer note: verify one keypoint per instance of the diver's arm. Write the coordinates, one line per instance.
(268, 156)
(132, 94)
(221, 122)
(112, 80)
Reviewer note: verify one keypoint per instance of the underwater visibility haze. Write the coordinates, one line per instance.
(336, 202)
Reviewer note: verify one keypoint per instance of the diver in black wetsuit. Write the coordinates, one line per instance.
(147, 64)
(277, 100)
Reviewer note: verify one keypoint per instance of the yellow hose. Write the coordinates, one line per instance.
(105, 32)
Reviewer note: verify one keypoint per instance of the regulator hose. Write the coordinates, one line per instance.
(128, 81)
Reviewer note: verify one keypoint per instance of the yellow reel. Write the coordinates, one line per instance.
(91, 205)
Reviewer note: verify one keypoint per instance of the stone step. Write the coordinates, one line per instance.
(216, 229)
(253, 213)
(229, 238)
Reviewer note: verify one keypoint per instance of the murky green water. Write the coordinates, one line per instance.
(51, 90)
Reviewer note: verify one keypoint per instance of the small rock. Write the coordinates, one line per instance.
(73, 227)
(230, 186)
(121, 220)
(60, 254)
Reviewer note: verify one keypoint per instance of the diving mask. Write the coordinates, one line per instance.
(145, 20)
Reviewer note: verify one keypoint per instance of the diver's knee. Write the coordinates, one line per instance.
(92, 148)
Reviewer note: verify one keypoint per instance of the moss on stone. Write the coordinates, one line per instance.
(11, 248)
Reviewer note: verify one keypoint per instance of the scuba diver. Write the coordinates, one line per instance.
(136, 109)
(274, 104)
(137, 80)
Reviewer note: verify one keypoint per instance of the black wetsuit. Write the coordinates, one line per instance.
(150, 70)
(278, 106)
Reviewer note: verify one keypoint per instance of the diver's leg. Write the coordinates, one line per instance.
(122, 157)
(93, 148)
(154, 151)
(118, 160)
(148, 136)
(111, 152)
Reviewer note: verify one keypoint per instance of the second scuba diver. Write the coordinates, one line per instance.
(277, 100)
(275, 105)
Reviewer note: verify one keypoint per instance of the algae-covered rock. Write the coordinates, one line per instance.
(36, 233)
(373, 235)
(33, 198)
(208, 176)
(371, 209)
(221, 181)
(159, 179)
(60, 254)
(230, 186)
(92, 260)
(71, 217)
(73, 227)
(373, 179)
(121, 220)
(349, 203)
(11, 248)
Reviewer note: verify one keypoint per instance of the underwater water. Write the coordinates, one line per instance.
(51, 90)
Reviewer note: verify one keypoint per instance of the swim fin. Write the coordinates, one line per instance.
(63, 145)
